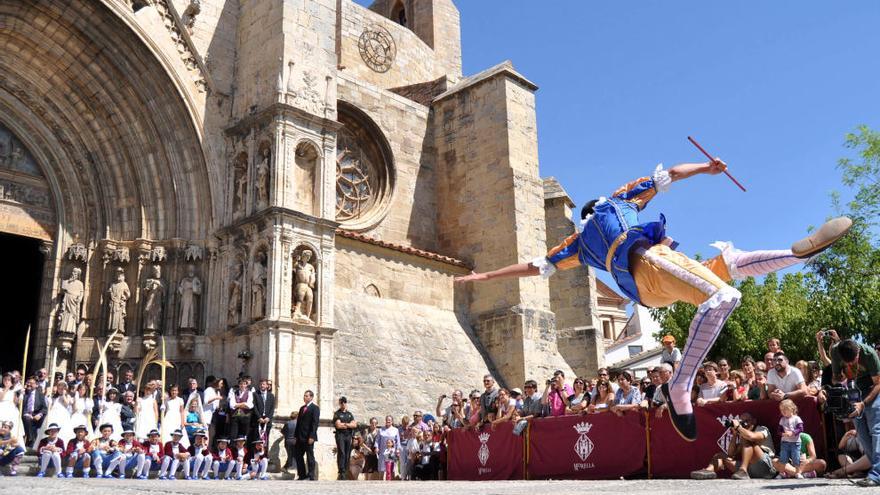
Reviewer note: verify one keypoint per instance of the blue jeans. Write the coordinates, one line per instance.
(790, 453)
(11, 456)
(868, 428)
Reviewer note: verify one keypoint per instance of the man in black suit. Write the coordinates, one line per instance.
(263, 412)
(306, 434)
(33, 410)
(127, 384)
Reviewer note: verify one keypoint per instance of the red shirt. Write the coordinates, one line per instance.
(58, 443)
(171, 449)
(222, 455)
(73, 445)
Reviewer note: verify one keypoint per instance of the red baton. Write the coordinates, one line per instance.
(711, 158)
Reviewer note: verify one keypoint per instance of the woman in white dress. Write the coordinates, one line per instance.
(111, 414)
(82, 410)
(173, 416)
(146, 412)
(9, 408)
(389, 432)
(59, 413)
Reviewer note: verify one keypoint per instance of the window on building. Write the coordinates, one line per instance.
(399, 14)
(634, 349)
(606, 330)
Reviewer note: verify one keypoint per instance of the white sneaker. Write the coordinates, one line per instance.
(799, 476)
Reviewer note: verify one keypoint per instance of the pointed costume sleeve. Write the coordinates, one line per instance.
(642, 190)
(562, 257)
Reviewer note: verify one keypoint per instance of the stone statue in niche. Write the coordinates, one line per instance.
(71, 298)
(303, 287)
(262, 179)
(154, 292)
(258, 287)
(233, 316)
(153, 295)
(240, 170)
(118, 295)
(189, 289)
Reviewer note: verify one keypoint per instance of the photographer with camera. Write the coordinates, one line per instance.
(556, 394)
(851, 360)
(749, 453)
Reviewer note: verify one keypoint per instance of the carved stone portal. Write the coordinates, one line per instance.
(304, 279)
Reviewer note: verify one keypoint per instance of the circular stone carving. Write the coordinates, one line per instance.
(364, 173)
(377, 48)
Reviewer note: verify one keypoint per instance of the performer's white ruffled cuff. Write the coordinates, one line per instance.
(725, 295)
(580, 223)
(727, 252)
(544, 266)
(662, 180)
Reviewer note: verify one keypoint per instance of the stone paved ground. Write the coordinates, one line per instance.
(35, 486)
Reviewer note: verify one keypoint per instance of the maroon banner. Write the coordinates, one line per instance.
(596, 446)
(485, 455)
(673, 457)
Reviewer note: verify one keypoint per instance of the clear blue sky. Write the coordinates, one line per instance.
(772, 87)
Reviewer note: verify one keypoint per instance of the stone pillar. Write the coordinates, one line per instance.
(494, 214)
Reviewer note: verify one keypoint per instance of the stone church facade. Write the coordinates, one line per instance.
(284, 188)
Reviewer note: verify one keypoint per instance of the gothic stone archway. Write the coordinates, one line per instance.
(108, 129)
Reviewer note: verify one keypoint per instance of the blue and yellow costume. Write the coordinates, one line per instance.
(610, 233)
(647, 269)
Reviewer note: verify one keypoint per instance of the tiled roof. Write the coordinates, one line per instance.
(401, 248)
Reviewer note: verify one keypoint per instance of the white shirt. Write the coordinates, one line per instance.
(250, 398)
(788, 383)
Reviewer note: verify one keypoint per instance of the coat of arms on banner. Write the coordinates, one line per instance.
(727, 436)
(483, 453)
(584, 446)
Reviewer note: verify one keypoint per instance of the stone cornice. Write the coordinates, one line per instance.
(246, 123)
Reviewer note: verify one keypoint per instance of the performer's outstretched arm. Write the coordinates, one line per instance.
(518, 270)
(685, 170)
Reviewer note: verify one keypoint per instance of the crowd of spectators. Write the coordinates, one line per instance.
(77, 423)
(215, 430)
(415, 448)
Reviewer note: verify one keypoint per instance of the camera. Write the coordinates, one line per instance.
(729, 424)
(826, 333)
(841, 400)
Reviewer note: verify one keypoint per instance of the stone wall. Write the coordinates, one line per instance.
(395, 356)
(374, 270)
(436, 22)
(493, 213)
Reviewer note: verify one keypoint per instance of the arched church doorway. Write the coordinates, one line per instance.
(19, 297)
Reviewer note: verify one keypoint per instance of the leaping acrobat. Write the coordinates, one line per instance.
(646, 267)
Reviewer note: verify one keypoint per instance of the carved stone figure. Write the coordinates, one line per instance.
(153, 294)
(118, 294)
(189, 288)
(303, 287)
(233, 316)
(262, 180)
(71, 299)
(258, 287)
(240, 190)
